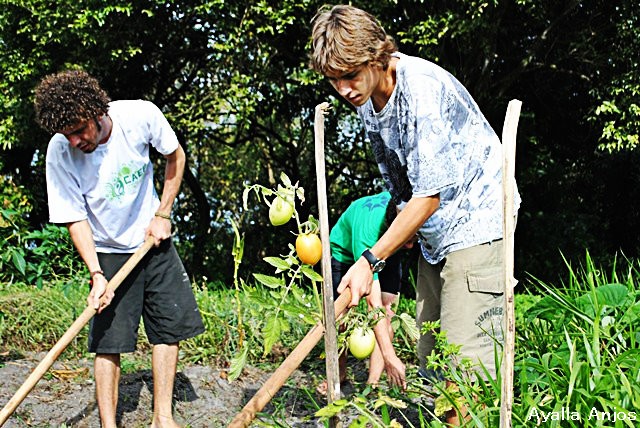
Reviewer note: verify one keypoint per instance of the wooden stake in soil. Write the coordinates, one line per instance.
(508, 227)
(330, 337)
(68, 336)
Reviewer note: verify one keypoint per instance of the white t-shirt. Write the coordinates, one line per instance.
(432, 138)
(112, 187)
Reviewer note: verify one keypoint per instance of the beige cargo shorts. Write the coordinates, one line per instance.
(465, 291)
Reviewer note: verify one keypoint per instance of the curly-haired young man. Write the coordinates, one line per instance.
(100, 184)
(441, 162)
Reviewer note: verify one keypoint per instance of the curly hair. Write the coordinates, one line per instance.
(67, 98)
(345, 37)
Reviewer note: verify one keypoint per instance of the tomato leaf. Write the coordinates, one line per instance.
(409, 325)
(384, 399)
(269, 281)
(285, 179)
(238, 362)
(278, 263)
(332, 409)
(310, 273)
(271, 333)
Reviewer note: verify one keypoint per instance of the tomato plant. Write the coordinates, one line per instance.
(273, 293)
(280, 211)
(361, 342)
(309, 248)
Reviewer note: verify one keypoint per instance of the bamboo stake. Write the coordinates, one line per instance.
(330, 338)
(68, 336)
(508, 187)
(271, 387)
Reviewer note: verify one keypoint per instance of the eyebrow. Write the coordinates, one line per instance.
(76, 131)
(347, 76)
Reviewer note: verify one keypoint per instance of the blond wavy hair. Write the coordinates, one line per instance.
(67, 98)
(345, 37)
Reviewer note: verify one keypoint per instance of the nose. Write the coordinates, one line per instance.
(343, 87)
(74, 140)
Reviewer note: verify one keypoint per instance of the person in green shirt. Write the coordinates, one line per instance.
(358, 228)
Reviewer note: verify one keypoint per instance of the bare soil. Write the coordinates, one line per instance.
(203, 395)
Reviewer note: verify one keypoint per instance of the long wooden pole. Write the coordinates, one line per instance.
(68, 336)
(330, 337)
(270, 388)
(509, 132)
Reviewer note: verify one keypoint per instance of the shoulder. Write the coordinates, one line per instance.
(58, 144)
(137, 109)
(415, 72)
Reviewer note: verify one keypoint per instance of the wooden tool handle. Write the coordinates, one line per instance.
(271, 387)
(70, 334)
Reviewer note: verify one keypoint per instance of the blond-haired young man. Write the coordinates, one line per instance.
(441, 162)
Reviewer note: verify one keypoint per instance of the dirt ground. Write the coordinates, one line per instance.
(203, 396)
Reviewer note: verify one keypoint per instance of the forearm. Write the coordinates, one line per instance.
(406, 225)
(174, 171)
(381, 329)
(82, 238)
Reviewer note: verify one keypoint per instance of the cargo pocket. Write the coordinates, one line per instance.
(486, 280)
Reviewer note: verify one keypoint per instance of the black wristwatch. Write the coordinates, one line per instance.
(376, 264)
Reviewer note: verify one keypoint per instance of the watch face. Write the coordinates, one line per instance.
(376, 265)
(379, 266)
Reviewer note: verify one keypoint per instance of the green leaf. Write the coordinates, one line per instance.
(269, 281)
(384, 399)
(332, 409)
(631, 315)
(285, 179)
(311, 274)
(278, 262)
(19, 261)
(238, 362)
(271, 333)
(361, 421)
(612, 295)
(409, 325)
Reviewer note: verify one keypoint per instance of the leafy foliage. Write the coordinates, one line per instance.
(580, 348)
(32, 257)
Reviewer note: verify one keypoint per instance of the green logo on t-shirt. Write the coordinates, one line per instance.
(126, 181)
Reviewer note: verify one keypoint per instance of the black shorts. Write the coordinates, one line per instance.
(159, 290)
(389, 277)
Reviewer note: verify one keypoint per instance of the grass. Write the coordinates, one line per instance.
(34, 319)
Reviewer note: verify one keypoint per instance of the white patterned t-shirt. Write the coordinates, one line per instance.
(432, 138)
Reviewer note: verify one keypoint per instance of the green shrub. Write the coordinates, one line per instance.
(33, 257)
(577, 353)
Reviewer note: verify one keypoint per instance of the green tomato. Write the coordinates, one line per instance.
(361, 342)
(280, 211)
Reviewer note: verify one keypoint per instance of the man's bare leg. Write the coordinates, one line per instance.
(164, 362)
(106, 368)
